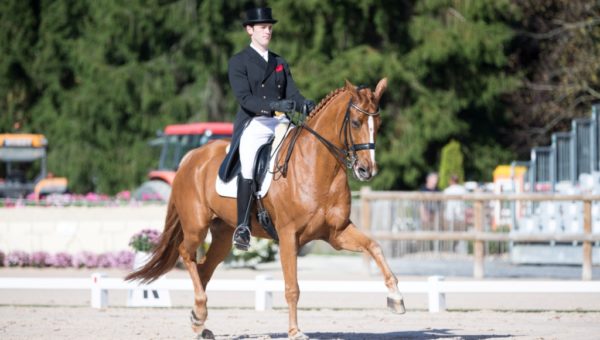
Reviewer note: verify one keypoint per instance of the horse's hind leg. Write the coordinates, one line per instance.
(354, 240)
(220, 246)
(193, 237)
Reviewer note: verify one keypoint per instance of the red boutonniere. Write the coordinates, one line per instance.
(279, 68)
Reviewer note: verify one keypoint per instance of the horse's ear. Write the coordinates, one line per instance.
(381, 86)
(350, 87)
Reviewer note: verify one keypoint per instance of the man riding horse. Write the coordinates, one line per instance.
(338, 136)
(262, 84)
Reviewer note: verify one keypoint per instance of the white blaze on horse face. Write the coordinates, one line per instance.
(371, 122)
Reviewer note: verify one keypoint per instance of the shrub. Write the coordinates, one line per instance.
(85, 259)
(61, 260)
(451, 163)
(124, 259)
(17, 258)
(40, 259)
(260, 250)
(106, 260)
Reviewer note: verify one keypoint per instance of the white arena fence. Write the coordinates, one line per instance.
(264, 286)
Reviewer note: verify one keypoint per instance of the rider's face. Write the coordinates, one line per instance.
(260, 34)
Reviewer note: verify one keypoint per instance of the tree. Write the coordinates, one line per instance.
(557, 45)
(455, 74)
(99, 78)
(18, 36)
(451, 163)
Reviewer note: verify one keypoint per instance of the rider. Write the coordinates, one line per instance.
(262, 84)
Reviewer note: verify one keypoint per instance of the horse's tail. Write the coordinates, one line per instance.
(165, 254)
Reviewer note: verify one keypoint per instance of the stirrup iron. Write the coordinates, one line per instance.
(242, 229)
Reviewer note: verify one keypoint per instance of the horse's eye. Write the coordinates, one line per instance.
(355, 124)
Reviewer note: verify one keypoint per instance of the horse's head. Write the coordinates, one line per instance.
(361, 123)
(346, 121)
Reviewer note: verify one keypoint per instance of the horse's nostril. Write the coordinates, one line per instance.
(363, 171)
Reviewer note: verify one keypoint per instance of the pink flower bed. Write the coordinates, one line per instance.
(41, 259)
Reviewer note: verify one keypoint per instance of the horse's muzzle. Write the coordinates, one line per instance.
(363, 172)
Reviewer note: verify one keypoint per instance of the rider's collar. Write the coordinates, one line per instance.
(264, 55)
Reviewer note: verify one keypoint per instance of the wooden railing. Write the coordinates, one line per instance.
(478, 235)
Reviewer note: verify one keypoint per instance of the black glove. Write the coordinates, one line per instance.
(285, 105)
(309, 105)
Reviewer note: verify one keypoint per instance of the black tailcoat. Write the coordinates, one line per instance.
(255, 84)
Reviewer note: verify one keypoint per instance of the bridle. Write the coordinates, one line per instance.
(347, 155)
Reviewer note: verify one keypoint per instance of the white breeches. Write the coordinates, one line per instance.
(256, 134)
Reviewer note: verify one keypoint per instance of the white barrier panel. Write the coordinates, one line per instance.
(147, 297)
(44, 283)
(75, 229)
(264, 286)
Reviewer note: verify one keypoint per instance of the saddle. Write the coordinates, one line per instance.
(264, 169)
(261, 166)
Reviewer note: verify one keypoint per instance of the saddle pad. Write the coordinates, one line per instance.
(229, 189)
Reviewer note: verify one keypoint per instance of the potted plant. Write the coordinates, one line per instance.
(142, 243)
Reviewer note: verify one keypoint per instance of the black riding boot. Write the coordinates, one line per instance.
(241, 235)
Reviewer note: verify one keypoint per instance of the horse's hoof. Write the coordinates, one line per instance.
(396, 305)
(206, 334)
(298, 336)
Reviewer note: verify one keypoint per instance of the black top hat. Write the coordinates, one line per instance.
(258, 15)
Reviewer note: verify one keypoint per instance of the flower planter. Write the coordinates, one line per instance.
(140, 259)
(142, 296)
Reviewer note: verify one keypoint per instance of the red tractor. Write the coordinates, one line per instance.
(174, 143)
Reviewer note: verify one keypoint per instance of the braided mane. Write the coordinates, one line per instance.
(324, 102)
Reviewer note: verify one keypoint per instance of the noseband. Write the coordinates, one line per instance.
(347, 155)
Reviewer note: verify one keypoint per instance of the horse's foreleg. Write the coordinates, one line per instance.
(187, 250)
(354, 240)
(288, 252)
(219, 248)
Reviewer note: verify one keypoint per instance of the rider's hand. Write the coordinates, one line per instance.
(310, 105)
(285, 105)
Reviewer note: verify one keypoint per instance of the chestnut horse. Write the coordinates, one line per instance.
(310, 201)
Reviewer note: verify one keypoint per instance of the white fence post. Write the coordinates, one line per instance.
(99, 297)
(437, 299)
(263, 297)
